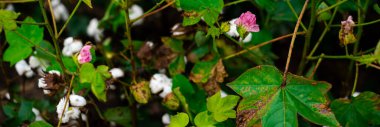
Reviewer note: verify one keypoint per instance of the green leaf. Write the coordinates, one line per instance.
(184, 84)
(200, 38)
(267, 100)
(177, 66)
(113, 17)
(88, 3)
(103, 70)
(202, 71)
(69, 63)
(25, 111)
(8, 20)
(376, 8)
(179, 120)
(98, 87)
(210, 16)
(191, 20)
(361, 111)
(174, 44)
(213, 31)
(119, 115)
(195, 9)
(204, 119)
(87, 73)
(9, 110)
(40, 124)
(13, 54)
(42, 54)
(222, 108)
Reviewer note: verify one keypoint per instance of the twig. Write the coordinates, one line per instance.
(332, 6)
(334, 57)
(69, 19)
(316, 67)
(356, 79)
(374, 66)
(53, 17)
(31, 23)
(292, 41)
(66, 101)
(260, 45)
(360, 24)
(17, 1)
(295, 14)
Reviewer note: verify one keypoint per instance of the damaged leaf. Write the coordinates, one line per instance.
(269, 102)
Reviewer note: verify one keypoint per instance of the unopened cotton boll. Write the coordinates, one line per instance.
(34, 62)
(116, 73)
(136, 11)
(76, 100)
(233, 29)
(166, 119)
(94, 31)
(22, 67)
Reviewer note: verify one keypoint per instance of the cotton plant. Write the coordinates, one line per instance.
(243, 26)
(60, 11)
(71, 110)
(71, 46)
(160, 82)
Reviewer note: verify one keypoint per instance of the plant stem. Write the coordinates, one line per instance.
(308, 35)
(96, 108)
(346, 49)
(31, 23)
(260, 45)
(295, 13)
(374, 66)
(327, 28)
(316, 67)
(360, 24)
(68, 20)
(52, 18)
(235, 2)
(150, 13)
(331, 7)
(238, 43)
(17, 1)
(356, 79)
(292, 41)
(334, 57)
(66, 100)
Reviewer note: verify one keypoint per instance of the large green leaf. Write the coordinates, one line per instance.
(267, 100)
(40, 124)
(87, 73)
(96, 77)
(222, 108)
(8, 20)
(184, 84)
(202, 71)
(361, 111)
(13, 54)
(179, 120)
(119, 115)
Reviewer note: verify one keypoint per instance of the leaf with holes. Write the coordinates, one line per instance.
(268, 102)
(361, 111)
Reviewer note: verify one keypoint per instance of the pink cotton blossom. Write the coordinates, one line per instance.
(85, 54)
(247, 20)
(348, 25)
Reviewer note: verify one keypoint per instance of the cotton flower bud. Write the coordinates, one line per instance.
(76, 100)
(171, 102)
(346, 35)
(225, 27)
(116, 73)
(141, 92)
(85, 55)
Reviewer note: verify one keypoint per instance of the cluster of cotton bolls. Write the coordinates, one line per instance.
(60, 11)
(71, 110)
(25, 69)
(71, 46)
(95, 32)
(160, 82)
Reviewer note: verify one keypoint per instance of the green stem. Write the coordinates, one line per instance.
(17, 1)
(52, 18)
(97, 109)
(356, 79)
(361, 24)
(131, 48)
(235, 2)
(66, 100)
(31, 23)
(334, 57)
(68, 20)
(316, 67)
(331, 7)
(308, 35)
(327, 28)
(295, 13)
(346, 49)
(239, 43)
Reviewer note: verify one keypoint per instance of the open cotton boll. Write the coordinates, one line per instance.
(76, 100)
(116, 73)
(134, 12)
(61, 106)
(46, 91)
(22, 67)
(54, 72)
(37, 114)
(60, 12)
(68, 41)
(166, 119)
(94, 31)
(167, 90)
(158, 82)
(34, 62)
(41, 83)
(10, 7)
(29, 74)
(73, 113)
(356, 94)
(223, 94)
(76, 46)
(83, 116)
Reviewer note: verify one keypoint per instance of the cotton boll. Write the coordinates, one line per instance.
(93, 30)
(166, 119)
(22, 67)
(223, 94)
(54, 72)
(136, 11)
(10, 7)
(60, 12)
(41, 83)
(37, 114)
(55, 3)
(233, 29)
(116, 73)
(83, 116)
(76, 46)
(158, 82)
(73, 113)
(65, 118)
(68, 41)
(167, 90)
(76, 100)
(34, 62)
(61, 106)
(7, 96)
(29, 74)
(66, 51)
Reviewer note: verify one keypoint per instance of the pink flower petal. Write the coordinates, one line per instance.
(85, 54)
